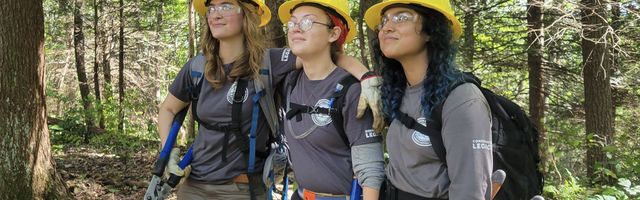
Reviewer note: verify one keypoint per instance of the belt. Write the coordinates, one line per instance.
(390, 192)
(242, 178)
(311, 195)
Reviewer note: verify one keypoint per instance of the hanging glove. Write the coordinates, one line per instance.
(370, 97)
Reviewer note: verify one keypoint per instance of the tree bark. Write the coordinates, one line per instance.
(534, 60)
(27, 167)
(96, 63)
(105, 44)
(361, 39)
(469, 45)
(275, 33)
(121, 83)
(599, 119)
(78, 42)
(191, 123)
(365, 5)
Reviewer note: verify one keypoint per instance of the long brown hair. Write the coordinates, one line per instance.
(248, 64)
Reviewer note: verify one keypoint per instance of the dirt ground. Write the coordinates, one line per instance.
(98, 174)
(91, 174)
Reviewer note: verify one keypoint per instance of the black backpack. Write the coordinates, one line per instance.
(515, 142)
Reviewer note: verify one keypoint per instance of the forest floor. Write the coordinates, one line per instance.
(96, 173)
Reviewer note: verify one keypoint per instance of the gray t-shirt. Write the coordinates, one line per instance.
(321, 161)
(414, 166)
(214, 106)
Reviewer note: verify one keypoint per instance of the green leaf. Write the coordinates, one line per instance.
(56, 127)
(624, 182)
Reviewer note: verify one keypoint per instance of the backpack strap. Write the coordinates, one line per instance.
(264, 88)
(196, 68)
(434, 130)
(337, 103)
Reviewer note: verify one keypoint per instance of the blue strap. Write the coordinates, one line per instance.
(285, 193)
(272, 186)
(196, 74)
(339, 88)
(252, 131)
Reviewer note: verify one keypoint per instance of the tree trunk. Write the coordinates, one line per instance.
(96, 63)
(106, 64)
(534, 60)
(159, 16)
(191, 123)
(599, 119)
(363, 44)
(27, 167)
(192, 30)
(469, 45)
(274, 29)
(616, 55)
(121, 69)
(365, 5)
(78, 42)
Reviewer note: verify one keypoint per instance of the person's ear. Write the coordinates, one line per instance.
(335, 34)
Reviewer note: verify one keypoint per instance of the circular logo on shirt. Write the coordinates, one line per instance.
(232, 91)
(419, 138)
(321, 119)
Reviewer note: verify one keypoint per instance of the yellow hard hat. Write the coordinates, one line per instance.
(374, 14)
(340, 6)
(265, 13)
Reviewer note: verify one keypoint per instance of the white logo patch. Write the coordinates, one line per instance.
(369, 133)
(285, 55)
(232, 91)
(419, 138)
(481, 145)
(319, 118)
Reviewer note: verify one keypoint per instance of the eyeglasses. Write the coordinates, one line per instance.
(305, 24)
(223, 9)
(398, 18)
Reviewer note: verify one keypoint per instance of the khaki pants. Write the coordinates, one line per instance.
(191, 190)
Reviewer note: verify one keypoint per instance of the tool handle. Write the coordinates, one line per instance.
(186, 160)
(163, 158)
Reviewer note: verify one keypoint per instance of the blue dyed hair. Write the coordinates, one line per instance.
(441, 72)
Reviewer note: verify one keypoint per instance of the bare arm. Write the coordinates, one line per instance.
(352, 65)
(370, 193)
(168, 110)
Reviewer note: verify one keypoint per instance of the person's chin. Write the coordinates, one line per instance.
(220, 35)
(390, 53)
(298, 50)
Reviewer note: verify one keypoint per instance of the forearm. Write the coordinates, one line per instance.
(167, 112)
(165, 118)
(352, 65)
(370, 193)
(356, 71)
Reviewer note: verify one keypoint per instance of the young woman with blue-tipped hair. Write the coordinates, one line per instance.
(416, 48)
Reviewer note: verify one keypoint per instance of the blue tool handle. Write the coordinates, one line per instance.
(356, 190)
(163, 159)
(186, 160)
